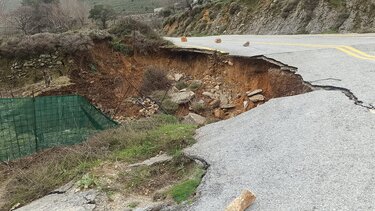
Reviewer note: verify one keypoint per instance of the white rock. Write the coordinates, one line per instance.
(245, 104)
(227, 106)
(257, 98)
(182, 97)
(178, 76)
(255, 92)
(194, 119)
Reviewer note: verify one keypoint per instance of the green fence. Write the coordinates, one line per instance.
(28, 125)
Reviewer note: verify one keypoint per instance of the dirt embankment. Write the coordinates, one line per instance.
(274, 17)
(224, 82)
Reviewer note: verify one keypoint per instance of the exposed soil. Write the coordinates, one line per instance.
(112, 81)
(233, 75)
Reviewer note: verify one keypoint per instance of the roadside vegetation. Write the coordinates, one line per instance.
(30, 178)
(75, 42)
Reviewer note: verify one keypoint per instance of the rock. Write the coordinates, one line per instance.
(172, 90)
(218, 113)
(217, 87)
(59, 63)
(245, 104)
(182, 97)
(70, 200)
(255, 92)
(170, 77)
(209, 94)
(241, 203)
(194, 119)
(178, 76)
(215, 104)
(217, 40)
(224, 99)
(227, 106)
(154, 160)
(247, 44)
(257, 98)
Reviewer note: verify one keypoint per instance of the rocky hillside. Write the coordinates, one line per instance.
(274, 17)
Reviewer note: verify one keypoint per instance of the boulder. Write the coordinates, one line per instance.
(172, 90)
(182, 97)
(194, 119)
(257, 98)
(255, 92)
(178, 76)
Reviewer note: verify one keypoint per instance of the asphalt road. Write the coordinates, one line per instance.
(314, 151)
(346, 61)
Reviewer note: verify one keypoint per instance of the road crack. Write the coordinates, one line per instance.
(315, 87)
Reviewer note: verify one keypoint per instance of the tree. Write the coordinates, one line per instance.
(22, 18)
(2, 8)
(103, 14)
(38, 2)
(77, 11)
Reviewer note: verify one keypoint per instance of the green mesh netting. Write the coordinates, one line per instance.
(28, 125)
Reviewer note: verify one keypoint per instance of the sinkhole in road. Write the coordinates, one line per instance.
(226, 81)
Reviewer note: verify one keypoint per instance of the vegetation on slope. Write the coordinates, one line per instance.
(30, 178)
(273, 17)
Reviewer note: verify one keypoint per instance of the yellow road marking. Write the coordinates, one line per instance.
(350, 53)
(296, 44)
(359, 52)
(353, 52)
(343, 48)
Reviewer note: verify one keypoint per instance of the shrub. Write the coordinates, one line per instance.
(122, 48)
(69, 43)
(154, 79)
(143, 37)
(159, 95)
(126, 26)
(166, 13)
(181, 85)
(198, 106)
(196, 84)
(169, 106)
